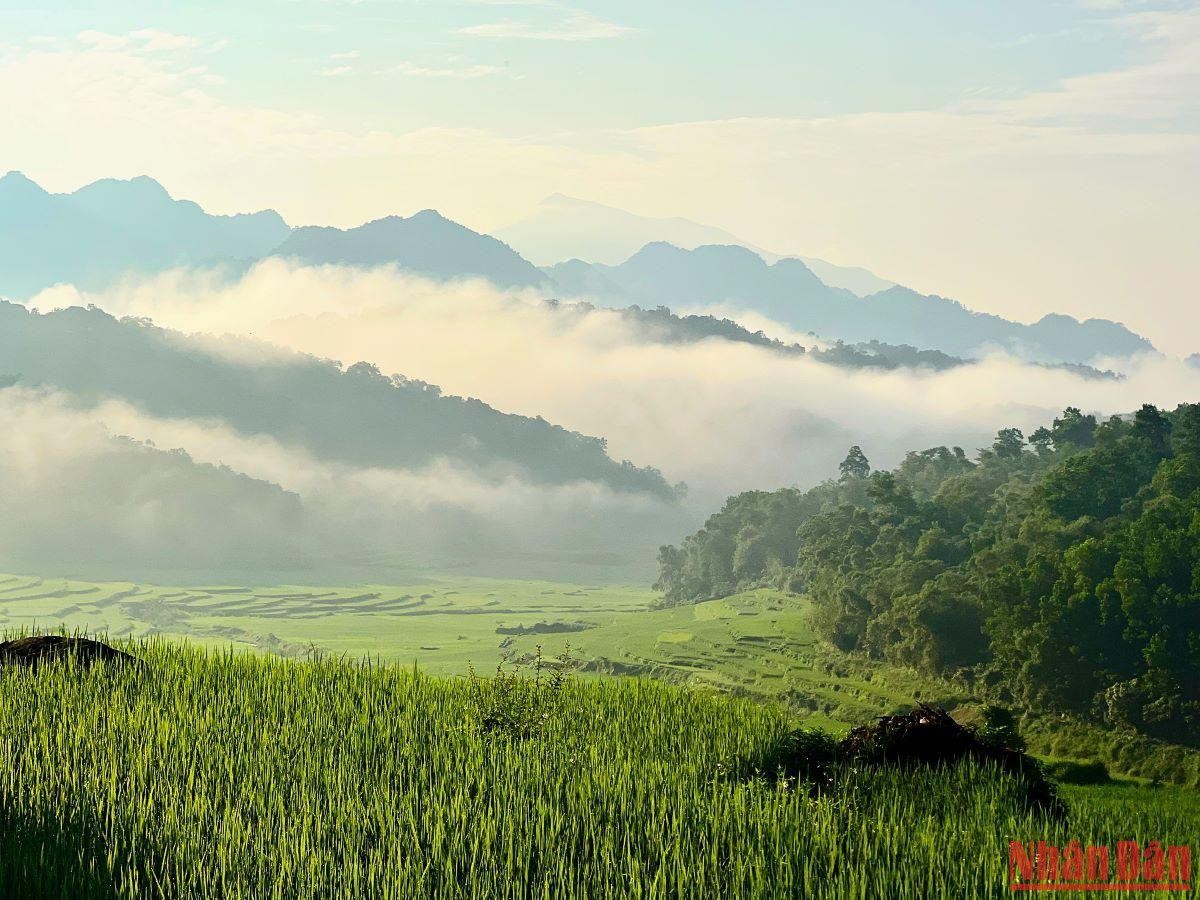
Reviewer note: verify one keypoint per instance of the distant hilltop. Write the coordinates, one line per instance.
(427, 244)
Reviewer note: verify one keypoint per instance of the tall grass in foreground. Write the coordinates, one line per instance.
(244, 776)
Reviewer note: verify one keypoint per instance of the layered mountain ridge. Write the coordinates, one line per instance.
(111, 229)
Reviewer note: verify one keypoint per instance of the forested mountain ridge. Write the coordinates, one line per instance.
(356, 415)
(1063, 572)
(788, 292)
(660, 325)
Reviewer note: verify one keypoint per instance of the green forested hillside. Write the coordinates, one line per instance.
(1062, 573)
(355, 415)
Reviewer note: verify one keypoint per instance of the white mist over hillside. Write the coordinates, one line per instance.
(723, 417)
(105, 488)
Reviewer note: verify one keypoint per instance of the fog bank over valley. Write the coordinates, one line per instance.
(365, 471)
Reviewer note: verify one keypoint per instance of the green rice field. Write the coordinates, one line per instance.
(222, 774)
(757, 643)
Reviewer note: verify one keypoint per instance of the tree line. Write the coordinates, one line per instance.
(1059, 570)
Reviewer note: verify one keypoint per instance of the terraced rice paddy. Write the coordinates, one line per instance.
(757, 643)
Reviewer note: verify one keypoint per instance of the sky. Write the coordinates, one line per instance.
(1021, 157)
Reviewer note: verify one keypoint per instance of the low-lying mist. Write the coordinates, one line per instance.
(93, 490)
(720, 416)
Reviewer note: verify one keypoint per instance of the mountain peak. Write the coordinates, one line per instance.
(425, 243)
(19, 183)
(113, 227)
(146, 183)
(557, 199)
(1057, 319)
(729, 251)
(658, 248)
(658, 253)
(141, 186)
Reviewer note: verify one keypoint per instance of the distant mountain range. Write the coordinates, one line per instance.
(563, 227)
(788, 292)
(98, 233)
(111, 228)
(356, 415)
(91, 237)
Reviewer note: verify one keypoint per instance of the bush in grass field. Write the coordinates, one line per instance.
(1074, 772)
(931, 736)
(925, 737)
(805, 755)
(999, 729)
(520, 701)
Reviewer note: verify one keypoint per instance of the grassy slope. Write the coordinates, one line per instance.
(754, 644)
(247, 775)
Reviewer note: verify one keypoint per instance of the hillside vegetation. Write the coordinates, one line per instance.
(660, 325)
(355, 414)
(1063, 575)
(221, 775)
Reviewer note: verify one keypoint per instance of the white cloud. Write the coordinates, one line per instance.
(106, 484)
(74, 496)
(574, 26)
(146, 40)
(102, 40)
(1159, 92)
(153, 40)
(477, 70)
(723, 417)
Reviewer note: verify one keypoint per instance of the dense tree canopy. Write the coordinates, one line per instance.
(1064, 572)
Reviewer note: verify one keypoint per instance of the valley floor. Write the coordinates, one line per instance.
(756, 644)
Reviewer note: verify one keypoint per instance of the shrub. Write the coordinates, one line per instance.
(999, 729)
(1071, 771)
(514, 704)
(806, 755)
(929, 736)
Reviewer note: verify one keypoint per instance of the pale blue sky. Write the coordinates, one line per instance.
(664, 61)
(1022, 156)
